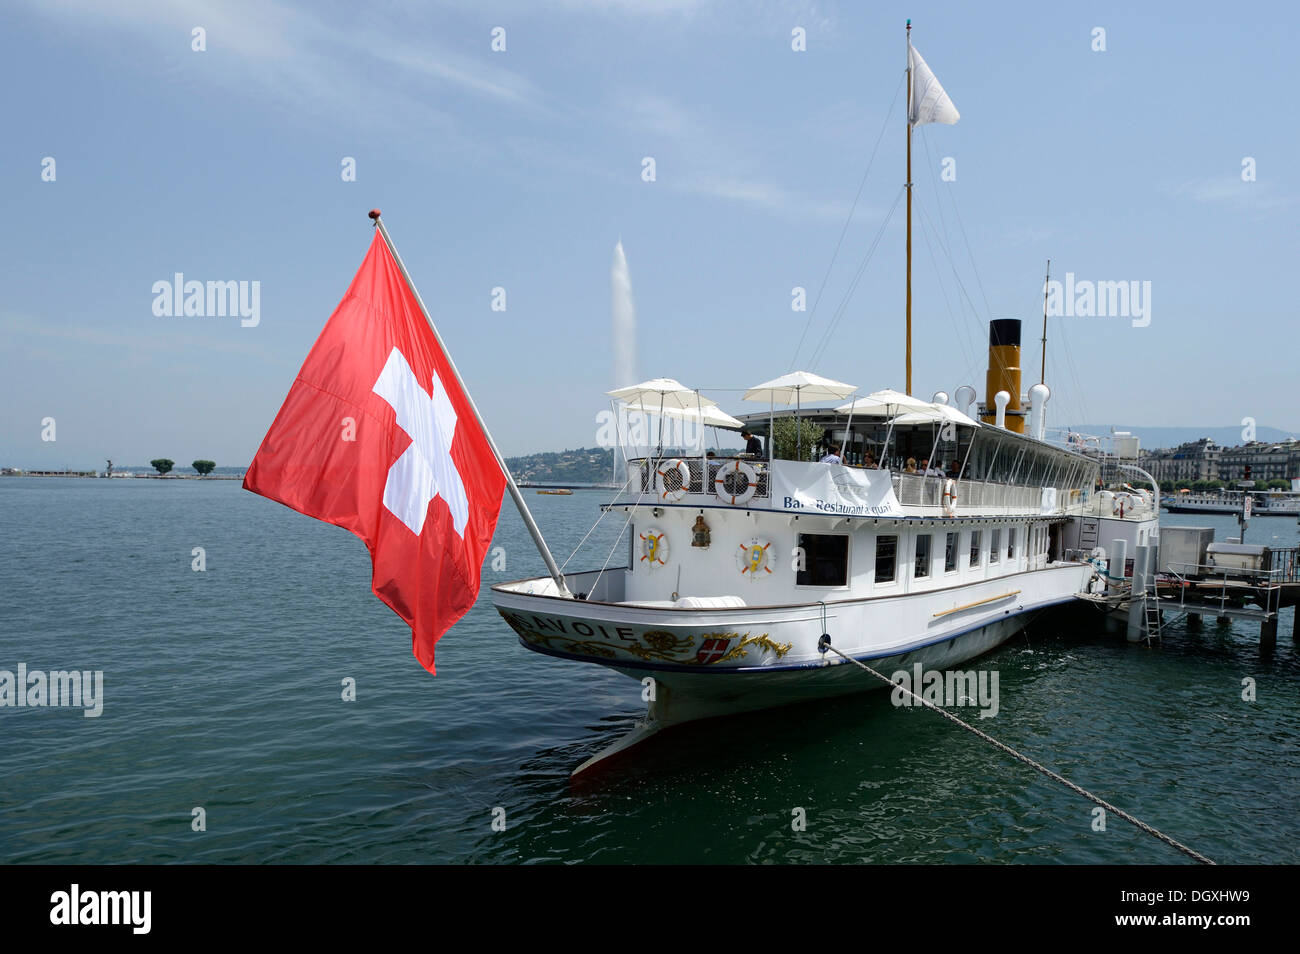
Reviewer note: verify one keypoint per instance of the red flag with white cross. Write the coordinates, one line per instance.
(376, 436)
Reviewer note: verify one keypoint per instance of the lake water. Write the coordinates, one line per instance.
(222, 690)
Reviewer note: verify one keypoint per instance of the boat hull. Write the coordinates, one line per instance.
(684, 697)
(713, 662)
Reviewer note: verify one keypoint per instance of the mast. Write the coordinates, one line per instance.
(908, 187)
(551, 567)
(1042, 374)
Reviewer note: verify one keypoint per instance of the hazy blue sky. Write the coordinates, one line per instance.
(523, 168)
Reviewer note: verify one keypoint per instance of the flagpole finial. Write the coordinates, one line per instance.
(374, 215)
(909, 24)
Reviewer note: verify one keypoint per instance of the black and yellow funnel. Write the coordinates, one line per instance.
(1004, 373)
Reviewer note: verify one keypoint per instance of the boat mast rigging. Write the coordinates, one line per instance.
(1042, 374)
(908, 187)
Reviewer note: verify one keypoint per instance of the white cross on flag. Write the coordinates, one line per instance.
(426, 469)
(376, 436)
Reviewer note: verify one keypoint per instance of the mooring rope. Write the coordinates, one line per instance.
(617, 493)
(825, 644)
(650, 471)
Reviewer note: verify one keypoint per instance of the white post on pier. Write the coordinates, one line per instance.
(1137, 593)
(1118, 560)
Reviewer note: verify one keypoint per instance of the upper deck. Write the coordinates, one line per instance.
(980, 471)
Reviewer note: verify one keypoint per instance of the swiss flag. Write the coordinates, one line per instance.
(377, 437)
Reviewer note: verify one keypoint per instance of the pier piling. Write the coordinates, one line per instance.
(1136, 607)
(1118, 558)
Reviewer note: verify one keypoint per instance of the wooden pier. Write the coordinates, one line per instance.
(1140, 602)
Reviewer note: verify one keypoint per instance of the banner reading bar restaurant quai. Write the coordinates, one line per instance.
(833, 489)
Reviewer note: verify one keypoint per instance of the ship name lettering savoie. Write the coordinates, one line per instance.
(650, 644)
(580, 628)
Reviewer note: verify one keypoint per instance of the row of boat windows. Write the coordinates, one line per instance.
(826, 555)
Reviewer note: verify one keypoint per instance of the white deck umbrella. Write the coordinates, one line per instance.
(710, 415)
(665, 393)
(885, 403)
(936, 414)
(794, 388)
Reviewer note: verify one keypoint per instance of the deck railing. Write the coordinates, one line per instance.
(979, 496)
(912, 491)
(696, 485)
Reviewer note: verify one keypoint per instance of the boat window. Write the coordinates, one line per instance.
(950, 553)
(921, 565)
(974, 548)
(1011, 543)
(826, 559)
(995, 545)
(886, 553)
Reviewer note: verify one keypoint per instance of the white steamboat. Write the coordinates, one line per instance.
(1264, 503)
(739, 567)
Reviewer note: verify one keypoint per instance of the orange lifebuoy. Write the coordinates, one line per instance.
(683, 471)
(751, 485)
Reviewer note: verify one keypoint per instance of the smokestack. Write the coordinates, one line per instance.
(1004, 373)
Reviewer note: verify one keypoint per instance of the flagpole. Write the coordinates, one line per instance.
(1042, 374)
(909, 207)
(524, 512)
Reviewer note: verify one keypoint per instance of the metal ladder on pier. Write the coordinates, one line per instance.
(1151, 610)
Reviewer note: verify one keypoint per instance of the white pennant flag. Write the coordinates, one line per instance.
(930, 104)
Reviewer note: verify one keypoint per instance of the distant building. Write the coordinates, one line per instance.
(1194, 460)
(1266, 461)
(1205, 460)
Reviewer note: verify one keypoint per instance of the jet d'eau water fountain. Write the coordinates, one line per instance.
(623, 328)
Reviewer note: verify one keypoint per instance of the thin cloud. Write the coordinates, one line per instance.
(765, 195)
(1233, 191)
(289, 54)
(17, 327)
(701, 150)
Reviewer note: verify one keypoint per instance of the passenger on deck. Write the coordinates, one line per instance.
(911, 466)
(753, 445)
(830, 457)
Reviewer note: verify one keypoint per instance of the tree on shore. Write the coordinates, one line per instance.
(162, 464)
(204, 467)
